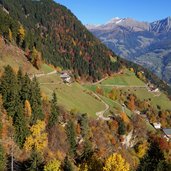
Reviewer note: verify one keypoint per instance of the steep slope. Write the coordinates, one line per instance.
(60, 37)
(14, 56)
(147, 44)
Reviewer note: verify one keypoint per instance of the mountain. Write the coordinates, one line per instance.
(49, 123)
(58, 35)
(148, 44)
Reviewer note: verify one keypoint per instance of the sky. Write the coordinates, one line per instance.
(101, 11)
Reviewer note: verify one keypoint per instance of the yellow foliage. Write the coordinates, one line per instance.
(83, 167)
(10, 35)
(38, 138)
(114, 94)
(58, 69)
(21, 33)
(116, 162)
(132, 69)
(53, 165)
(142, 149)
(27, 109)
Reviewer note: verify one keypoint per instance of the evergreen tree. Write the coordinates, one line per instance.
(70, 130)
(21, 129)
(121, 128)
(35, 101)
(67, 164)
(19, 80)
(54, 111)
(154, 160)
(36, 162)
(25, 93)
(85, 132)
(2, 153)
(9, 90)
(2, 158)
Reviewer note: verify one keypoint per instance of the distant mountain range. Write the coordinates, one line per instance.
(148, 44)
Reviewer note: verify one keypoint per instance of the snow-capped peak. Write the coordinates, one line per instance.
(114, 20)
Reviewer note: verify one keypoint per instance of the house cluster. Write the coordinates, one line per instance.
(65, 76)
(166, 131)
(157, 126)
(152, 88)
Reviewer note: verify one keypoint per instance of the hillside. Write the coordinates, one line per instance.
(147, 44)
(60, 37)
(103, 119)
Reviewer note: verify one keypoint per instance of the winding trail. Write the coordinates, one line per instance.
(100, 114)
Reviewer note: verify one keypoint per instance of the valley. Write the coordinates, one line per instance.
(144, 43)
(68, 103)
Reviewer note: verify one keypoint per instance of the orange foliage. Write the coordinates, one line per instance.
(124, 117)
(99, 91)
(131, 103)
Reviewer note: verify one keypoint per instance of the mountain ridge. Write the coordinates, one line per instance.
(141, 42)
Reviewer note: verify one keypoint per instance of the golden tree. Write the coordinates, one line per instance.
(21, 34)
(38, 139)
(36, 59)
(53, 165)
(10, 35)
(141, 149)
(116, 162)
(27, 109)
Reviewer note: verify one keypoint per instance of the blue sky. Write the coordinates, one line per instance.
(101, 11)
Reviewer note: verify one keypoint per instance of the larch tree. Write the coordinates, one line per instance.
(38, 140)
(21, 35)
(53, 165)
(10, 35)
(27, 110)
(116, 162)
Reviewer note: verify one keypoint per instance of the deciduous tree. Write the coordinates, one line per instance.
(116, 162)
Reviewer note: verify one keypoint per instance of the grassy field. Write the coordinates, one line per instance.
(72, 97)
(14, 56)
(46, 68)
(127, 78)
(143, 94)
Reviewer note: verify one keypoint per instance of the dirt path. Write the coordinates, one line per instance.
(100, 114)
(122, 86)
(99, 81)
(42, 74)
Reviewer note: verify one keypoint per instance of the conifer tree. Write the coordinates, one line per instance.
(54, 111)
(9, 90)
(67, 164)
(21, 129)
(2, 153)
(25, 93)
(35, 101)
(85, 132)
(70, 130)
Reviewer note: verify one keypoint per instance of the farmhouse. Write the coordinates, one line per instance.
(167, 132)
(157, 125)
(66, 77)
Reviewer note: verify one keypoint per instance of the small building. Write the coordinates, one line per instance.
(157, 125)
(137, 112)
(66, 77)
(167, 132)
(155, 90)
